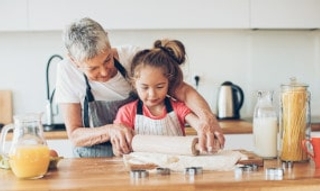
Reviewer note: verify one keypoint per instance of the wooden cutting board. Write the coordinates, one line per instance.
(252, 158)
(6, 106)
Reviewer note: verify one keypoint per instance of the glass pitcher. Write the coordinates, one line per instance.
(28, 154)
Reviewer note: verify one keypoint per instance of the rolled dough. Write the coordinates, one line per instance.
(223, 160)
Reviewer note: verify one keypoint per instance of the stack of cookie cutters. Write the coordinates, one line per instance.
(245, 169)
(139, 173)
(191, 171)
(163, 171)
(274, 173)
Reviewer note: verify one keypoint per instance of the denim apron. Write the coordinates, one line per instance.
(98, 113)
(168, 125)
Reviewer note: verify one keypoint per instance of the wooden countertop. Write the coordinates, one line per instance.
(240, 127)
(55, 135)
(110, 174)
(228, 127)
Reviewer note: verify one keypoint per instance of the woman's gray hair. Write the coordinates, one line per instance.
(85, 39)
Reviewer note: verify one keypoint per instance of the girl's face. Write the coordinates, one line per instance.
(152, 86)
(100, 68)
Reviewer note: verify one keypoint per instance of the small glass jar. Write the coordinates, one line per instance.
(265, 126)
(294, 121)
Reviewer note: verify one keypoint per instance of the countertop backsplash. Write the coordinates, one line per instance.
(252, 59)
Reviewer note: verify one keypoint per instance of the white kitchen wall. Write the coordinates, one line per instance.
(252, 59)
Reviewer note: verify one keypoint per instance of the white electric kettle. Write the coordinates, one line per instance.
(230, 101)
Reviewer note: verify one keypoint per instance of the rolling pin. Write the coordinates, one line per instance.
(179, 145)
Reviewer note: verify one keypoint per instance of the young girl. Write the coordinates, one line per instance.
(155, 74)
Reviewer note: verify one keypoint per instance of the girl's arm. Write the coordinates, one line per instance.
(194, 122)
(208, 126)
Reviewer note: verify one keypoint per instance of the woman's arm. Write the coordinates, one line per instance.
(194, 122)
(208, 126)
(119, 135)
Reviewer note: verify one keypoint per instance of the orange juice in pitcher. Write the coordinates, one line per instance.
(29, 161)
(29, 154)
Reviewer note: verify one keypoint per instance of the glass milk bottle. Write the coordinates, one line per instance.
(265, 126)
(294, 121)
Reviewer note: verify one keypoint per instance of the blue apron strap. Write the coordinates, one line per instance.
(168, 105)
(139, 107)
(120, 68)
(88, 98)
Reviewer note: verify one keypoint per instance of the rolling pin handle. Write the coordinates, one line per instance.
(197, 147)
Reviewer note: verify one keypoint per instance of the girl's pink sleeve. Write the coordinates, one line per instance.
(182, 111)
(126, 115)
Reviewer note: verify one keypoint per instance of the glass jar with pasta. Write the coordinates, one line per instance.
(294, 120)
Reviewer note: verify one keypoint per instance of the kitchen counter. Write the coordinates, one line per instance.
(243, 127)
(228, 127)
(110, 174)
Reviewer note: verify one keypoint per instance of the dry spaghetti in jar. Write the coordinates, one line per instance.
(294, 120)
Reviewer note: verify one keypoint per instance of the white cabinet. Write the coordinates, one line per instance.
(48, 15)
(14, 15)
(285, 14)
(55, 14)
(141, 14)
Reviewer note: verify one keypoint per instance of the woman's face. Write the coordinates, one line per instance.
(100, 68)
(152, 86)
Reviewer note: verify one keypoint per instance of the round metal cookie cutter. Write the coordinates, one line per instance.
(252, 167)
(193, 170)
(247, 168)
(274, 173)
(163, 171)
(139, 173)
(287, 164)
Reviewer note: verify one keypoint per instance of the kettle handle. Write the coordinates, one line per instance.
(241, 96)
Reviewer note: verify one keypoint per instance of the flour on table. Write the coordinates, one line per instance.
(224, 160)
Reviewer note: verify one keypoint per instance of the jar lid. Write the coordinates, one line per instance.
(294, 83)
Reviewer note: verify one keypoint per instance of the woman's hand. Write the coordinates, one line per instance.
(208, 128)
(120, 137)
(211, 138)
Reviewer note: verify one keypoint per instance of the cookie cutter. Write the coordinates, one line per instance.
(274, 173)
(247, 168)
(139, 173)
(193, 171)
(287, 164)
(163, 171)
